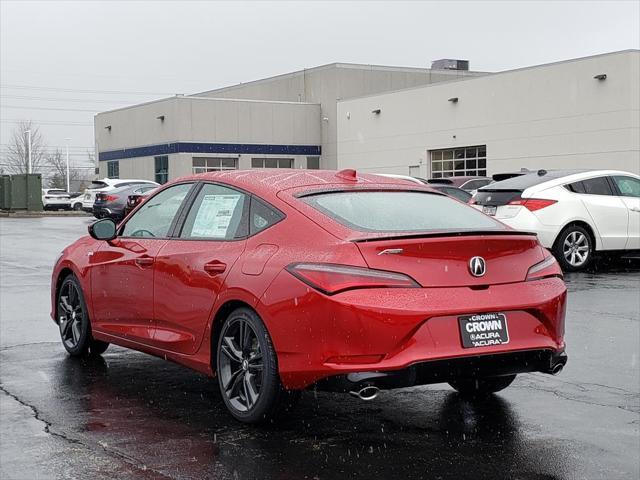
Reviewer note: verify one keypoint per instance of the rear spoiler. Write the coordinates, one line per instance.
(456, 233)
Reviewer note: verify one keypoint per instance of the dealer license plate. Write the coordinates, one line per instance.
(489, 210)
(483, 330)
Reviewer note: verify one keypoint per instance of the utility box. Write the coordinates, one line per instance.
(21, 192)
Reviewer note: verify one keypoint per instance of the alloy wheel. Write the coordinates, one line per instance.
(576, 248)
(241, 364)
(70, 315)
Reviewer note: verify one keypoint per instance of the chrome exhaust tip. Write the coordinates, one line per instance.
(366, 393)
(557, 368)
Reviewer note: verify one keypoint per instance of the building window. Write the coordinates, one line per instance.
(162, 169)
(272, 163)
(313, 163)
(214, 164)
(459, 162)
(113, 169)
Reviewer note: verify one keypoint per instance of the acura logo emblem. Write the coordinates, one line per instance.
(477, 266)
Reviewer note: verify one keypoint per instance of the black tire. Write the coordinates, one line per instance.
(73, 320)
(97, 347)
(77, 206)
(574, 248)
(247, 371)
(481, 387)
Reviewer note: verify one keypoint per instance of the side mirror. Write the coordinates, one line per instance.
(104, 229)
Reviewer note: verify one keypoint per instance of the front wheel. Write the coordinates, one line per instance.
(573, 248)
(73, 321)
(247, 369)
(479, 387)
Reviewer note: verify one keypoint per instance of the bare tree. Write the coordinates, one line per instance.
(17, 156)
(57, 166)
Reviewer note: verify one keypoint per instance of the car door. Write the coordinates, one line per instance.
(191, 269)
(122, 270)
(609, 213)
(629, 191)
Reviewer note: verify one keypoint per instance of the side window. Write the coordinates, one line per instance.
(597, 186)
(262, 216)
(155, 216)
(576, 187)
(218, 213)
(628, 186)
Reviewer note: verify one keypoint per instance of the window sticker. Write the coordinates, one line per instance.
(214, 216)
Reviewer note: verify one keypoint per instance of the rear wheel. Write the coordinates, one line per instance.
(573, 248)
(247, 369)
(73, 320)
(479, 387)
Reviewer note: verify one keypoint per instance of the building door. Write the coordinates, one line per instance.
(459, 162)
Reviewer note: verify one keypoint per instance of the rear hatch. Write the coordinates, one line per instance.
(428, 236)
(443, 260)
(497, 203)
(504, 200)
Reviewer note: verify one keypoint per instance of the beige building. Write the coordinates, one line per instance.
(582, 113)
(287, 121)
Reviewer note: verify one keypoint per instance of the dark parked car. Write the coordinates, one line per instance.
(470, 184)
(134, 200)
(452, 191)
(112, 204)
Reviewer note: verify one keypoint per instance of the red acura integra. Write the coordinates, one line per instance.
(278, 281)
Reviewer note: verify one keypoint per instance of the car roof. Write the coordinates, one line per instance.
(268, 182)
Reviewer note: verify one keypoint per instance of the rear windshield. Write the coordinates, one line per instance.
(400, 211)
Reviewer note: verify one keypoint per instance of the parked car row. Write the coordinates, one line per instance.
(573, 212)
(108, 197)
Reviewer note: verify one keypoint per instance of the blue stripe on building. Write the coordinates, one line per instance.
(191, 147)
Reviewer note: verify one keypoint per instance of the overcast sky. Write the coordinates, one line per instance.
(61, 62)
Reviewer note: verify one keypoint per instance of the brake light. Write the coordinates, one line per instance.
(110, 198)
(331, 279)
(546, 268)
(533, 204)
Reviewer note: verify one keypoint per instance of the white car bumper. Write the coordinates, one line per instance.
(521, 218)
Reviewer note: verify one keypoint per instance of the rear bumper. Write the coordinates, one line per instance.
(385, 330)
(440, 371)
(527, 221)
(106, 212)
(56, 204)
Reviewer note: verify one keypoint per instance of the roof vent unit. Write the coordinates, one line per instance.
(450, 64)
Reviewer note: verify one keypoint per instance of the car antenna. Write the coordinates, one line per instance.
(348, 174)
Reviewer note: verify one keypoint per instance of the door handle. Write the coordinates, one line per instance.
(215, 267)
(635, 209)
(144, 261)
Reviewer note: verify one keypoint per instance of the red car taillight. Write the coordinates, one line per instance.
(546, 268)
(533, 204)
(332, 279)
(110, 198)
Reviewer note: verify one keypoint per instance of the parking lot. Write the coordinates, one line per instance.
(129, 415)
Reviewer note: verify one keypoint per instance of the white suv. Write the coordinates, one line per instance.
(55, 199)
(106, 185)
(574, 212)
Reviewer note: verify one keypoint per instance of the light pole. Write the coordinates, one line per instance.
(68, 180)
(28, 132)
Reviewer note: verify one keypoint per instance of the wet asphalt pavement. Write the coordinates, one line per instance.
(129, 415)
